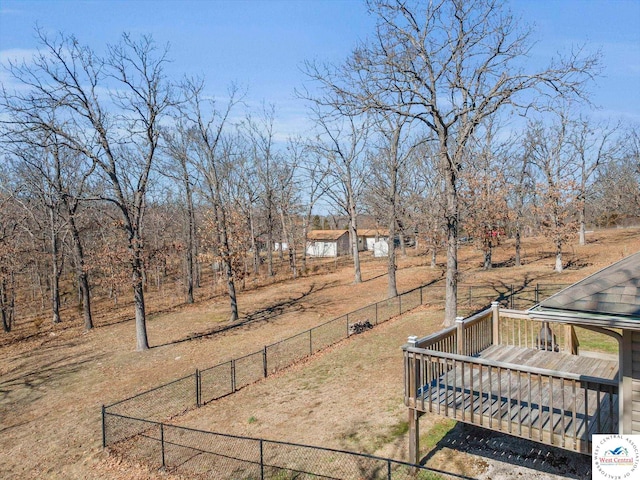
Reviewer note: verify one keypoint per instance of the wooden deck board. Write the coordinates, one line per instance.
(527, 405)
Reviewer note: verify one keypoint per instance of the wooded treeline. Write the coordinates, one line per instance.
(116, 176)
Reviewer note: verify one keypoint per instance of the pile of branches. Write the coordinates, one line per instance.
(360, 327)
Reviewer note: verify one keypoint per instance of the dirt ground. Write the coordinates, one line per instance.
(53, 379)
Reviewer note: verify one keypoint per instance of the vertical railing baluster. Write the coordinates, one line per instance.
(586, 412)
(520, 404)
(563, 412)
(509, 399)
(599, 424)
(551, 408)
(540, 407)
(499, 398)
(490, 396)
(575, 416)
(530, 406)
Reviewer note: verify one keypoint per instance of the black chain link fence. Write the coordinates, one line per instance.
(199, 454)
(132, 426)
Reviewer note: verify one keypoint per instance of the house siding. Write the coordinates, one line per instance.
(329, 247)
(635, 383)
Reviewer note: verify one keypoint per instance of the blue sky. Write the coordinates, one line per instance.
(261, 43)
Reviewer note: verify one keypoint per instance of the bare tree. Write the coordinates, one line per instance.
(554, 158)
(288, 198)
(10, 254)
(180, 168)
(313, 174)
(118, 131)
(260, 135)
(450, 65)
(342, 145)
(425, 200)
(594, 146)
(484, 191)
(389, 173)
(213, 155)
(615, 195)
(58, 178)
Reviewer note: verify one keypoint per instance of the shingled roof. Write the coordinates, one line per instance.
(613, 291)
(325, 235)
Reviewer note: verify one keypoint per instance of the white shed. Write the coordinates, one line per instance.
(368, 237)
(327, 243)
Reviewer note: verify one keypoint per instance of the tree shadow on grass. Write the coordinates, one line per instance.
(263, 315)
(46, 373)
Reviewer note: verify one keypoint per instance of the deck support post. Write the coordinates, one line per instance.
(495, 311)
(414, 436)
(460, 335)
(571, 342)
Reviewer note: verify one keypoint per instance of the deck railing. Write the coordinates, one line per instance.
(444, 375)
(517, 329)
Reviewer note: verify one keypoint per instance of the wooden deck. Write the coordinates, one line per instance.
(581, 365)
(487, 370)
(550, 397)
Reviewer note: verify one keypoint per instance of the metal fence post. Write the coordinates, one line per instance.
(264, 361)
(233, 375)
(399, 304)
(104, 429)
(537, 293)
(377, 312)
(310, 342)
(421, 296)
(261, 460)
(198, 387)
(388, 469)
(348, 326)
(162, 444)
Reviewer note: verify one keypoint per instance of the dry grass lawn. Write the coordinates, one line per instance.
(53, 379)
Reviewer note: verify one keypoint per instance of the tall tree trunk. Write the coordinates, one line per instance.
(558, 267)
(305, 230)
(55, 270)
(83, 276)
(254, 245)
(190, 247)
(189, 265)
(7, 303)
(270, 240)
(582, 220)
(518, 259)
(291, 252)
(392, 289)
(487, 263)
(142, 342)
(226, 258)
(353, 235)
(451, 282)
